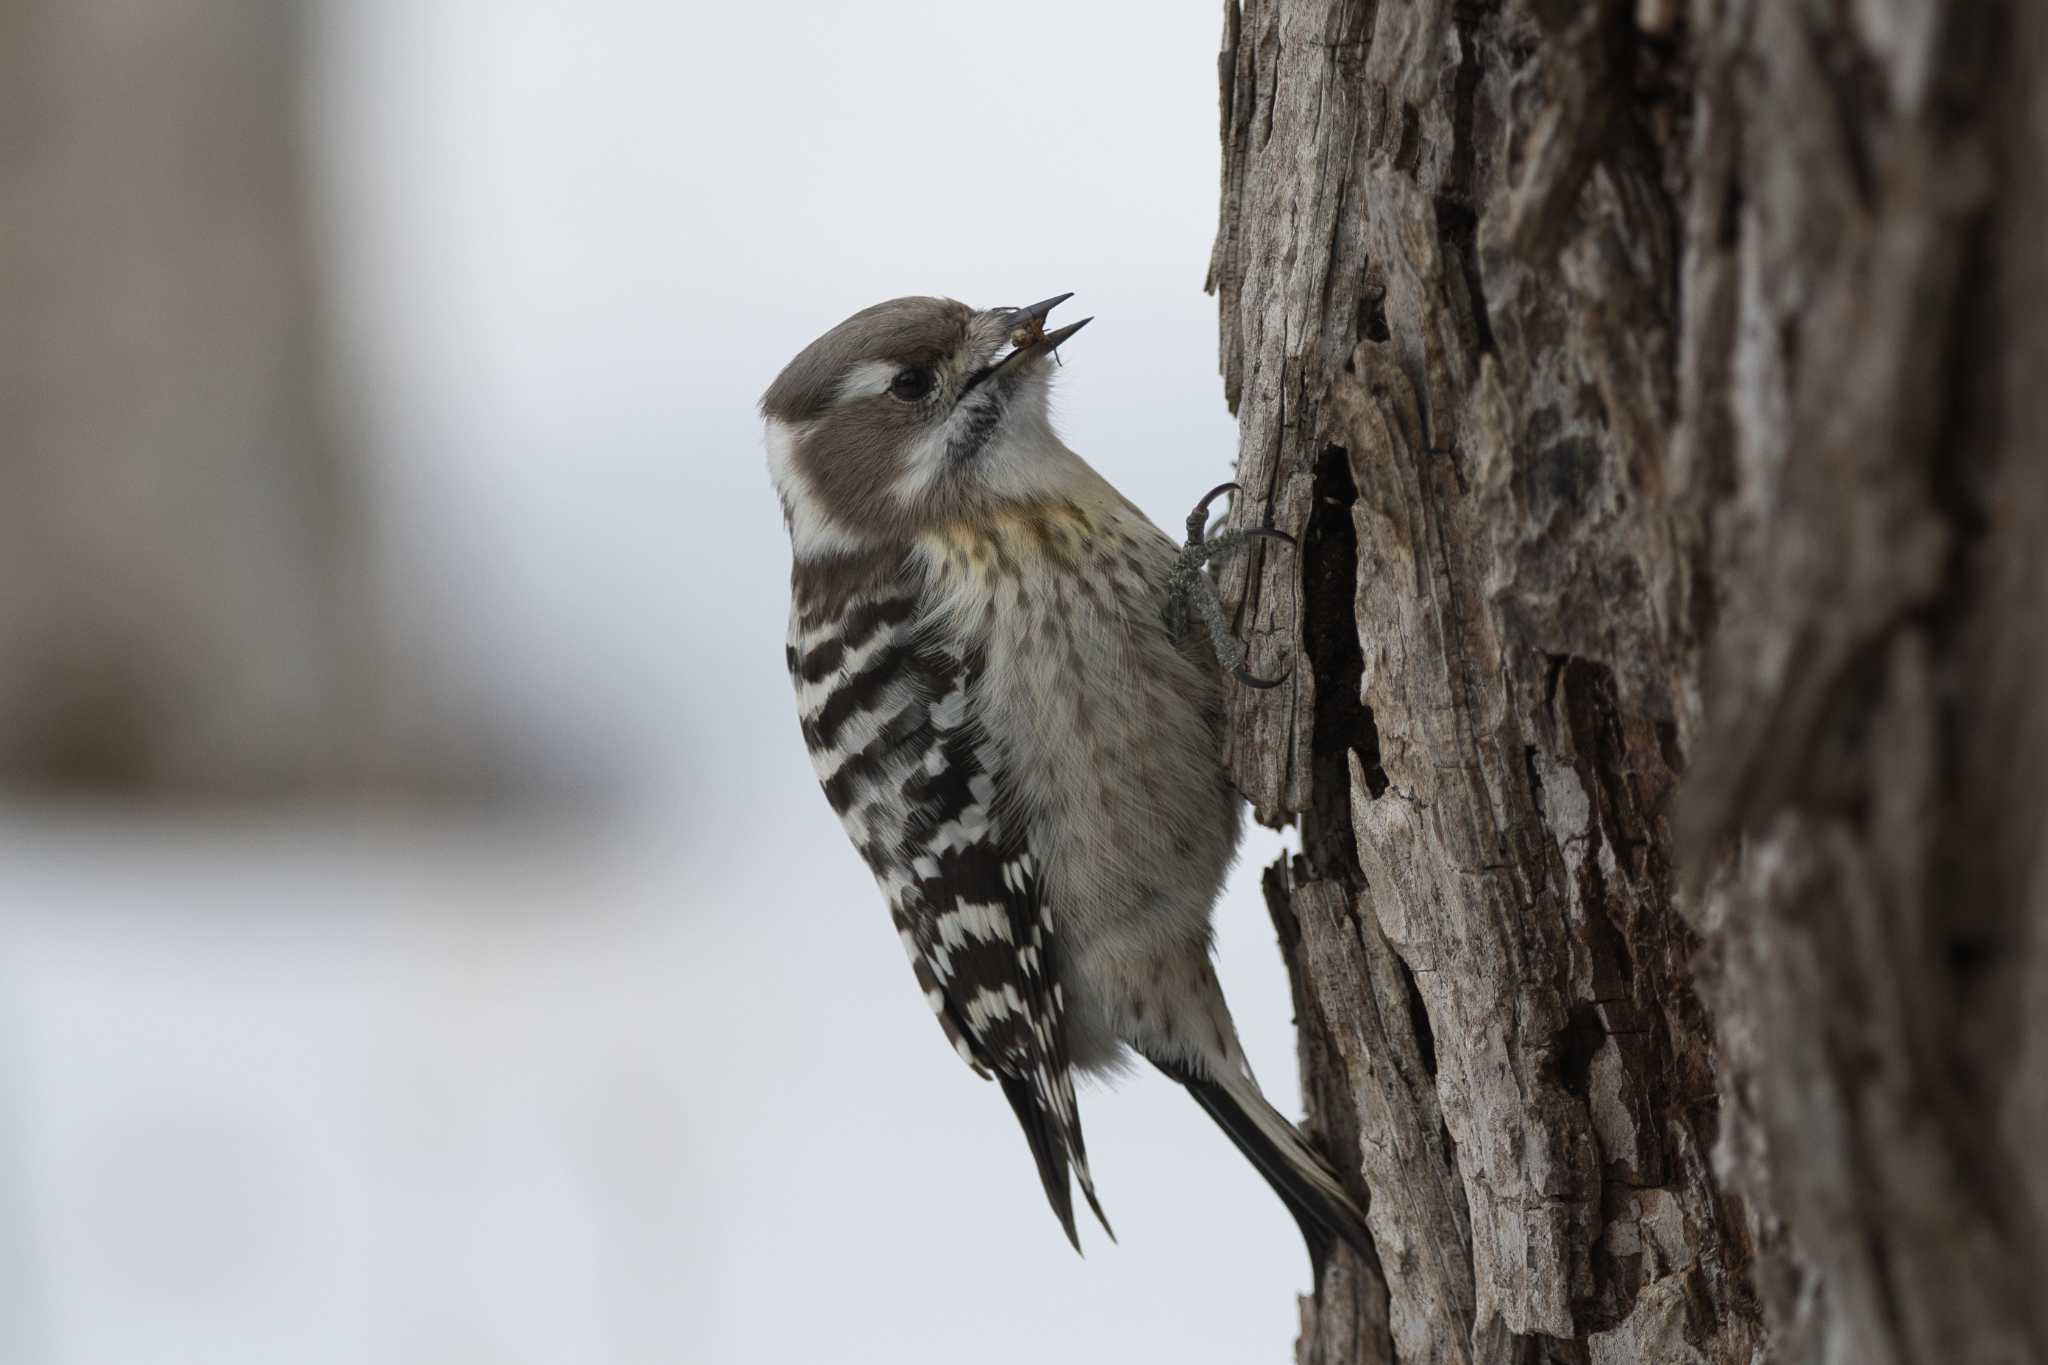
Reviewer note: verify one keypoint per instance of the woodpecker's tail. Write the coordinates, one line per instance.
(1296, 1171)
(1053, 1129)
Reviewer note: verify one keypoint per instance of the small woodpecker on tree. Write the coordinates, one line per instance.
(1022, 737)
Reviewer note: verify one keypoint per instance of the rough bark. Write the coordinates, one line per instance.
(1660, 394)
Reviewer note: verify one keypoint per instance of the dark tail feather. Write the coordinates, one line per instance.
(1047, 1149)
(1298, 1174)
(1088, 1184)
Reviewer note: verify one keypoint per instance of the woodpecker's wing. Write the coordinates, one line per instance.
(974, 918)
(887, 719)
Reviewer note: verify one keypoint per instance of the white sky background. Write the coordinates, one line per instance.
(357, 1088)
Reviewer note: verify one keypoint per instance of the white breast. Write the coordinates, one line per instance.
(1106, 732)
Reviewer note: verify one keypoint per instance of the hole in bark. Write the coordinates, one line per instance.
(1418, 1019)
(1553, 675)
(1408, 153)
(1667, 744)
(1972, 48)
(1343, 723)
(1372, 311)
(1575, 1046)
(1558, 476)
(1593, 715)
(1961, 482)
(1729, 227)
(1457, 219)
(1458, 225)
(1969, 955)
(1464, 99)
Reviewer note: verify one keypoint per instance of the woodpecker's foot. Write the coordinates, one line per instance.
(1188, 585)
(1198, 520)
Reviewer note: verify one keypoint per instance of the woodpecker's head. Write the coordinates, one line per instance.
(911, 414)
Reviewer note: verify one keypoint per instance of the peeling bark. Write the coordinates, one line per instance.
(1656, 393)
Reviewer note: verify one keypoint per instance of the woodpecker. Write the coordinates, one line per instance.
(1006, 707)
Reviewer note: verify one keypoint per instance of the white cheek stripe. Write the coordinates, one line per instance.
(866, 379)
(923, 462)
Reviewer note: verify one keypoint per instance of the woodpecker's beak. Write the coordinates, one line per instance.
(1037, 312)
(1034, 317)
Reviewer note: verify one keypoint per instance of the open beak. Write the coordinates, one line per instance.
(1037, 312)
(1033, 318)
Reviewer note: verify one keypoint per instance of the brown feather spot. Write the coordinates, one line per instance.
(1004, 563)
(1038, 527)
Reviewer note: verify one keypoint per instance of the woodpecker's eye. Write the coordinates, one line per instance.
(911, 385)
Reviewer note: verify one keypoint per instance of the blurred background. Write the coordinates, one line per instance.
(421, 937)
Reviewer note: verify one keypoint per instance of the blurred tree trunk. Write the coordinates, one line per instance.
(1660, 391)
(177, 535)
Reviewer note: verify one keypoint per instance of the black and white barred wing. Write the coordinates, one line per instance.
(888, 725)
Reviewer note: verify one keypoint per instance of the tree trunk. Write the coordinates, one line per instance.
(185, 599)
(175, 524)
(1660, 394)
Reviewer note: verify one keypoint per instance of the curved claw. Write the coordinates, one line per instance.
(1270, 534)
(1198, 520)
(1251, 679)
